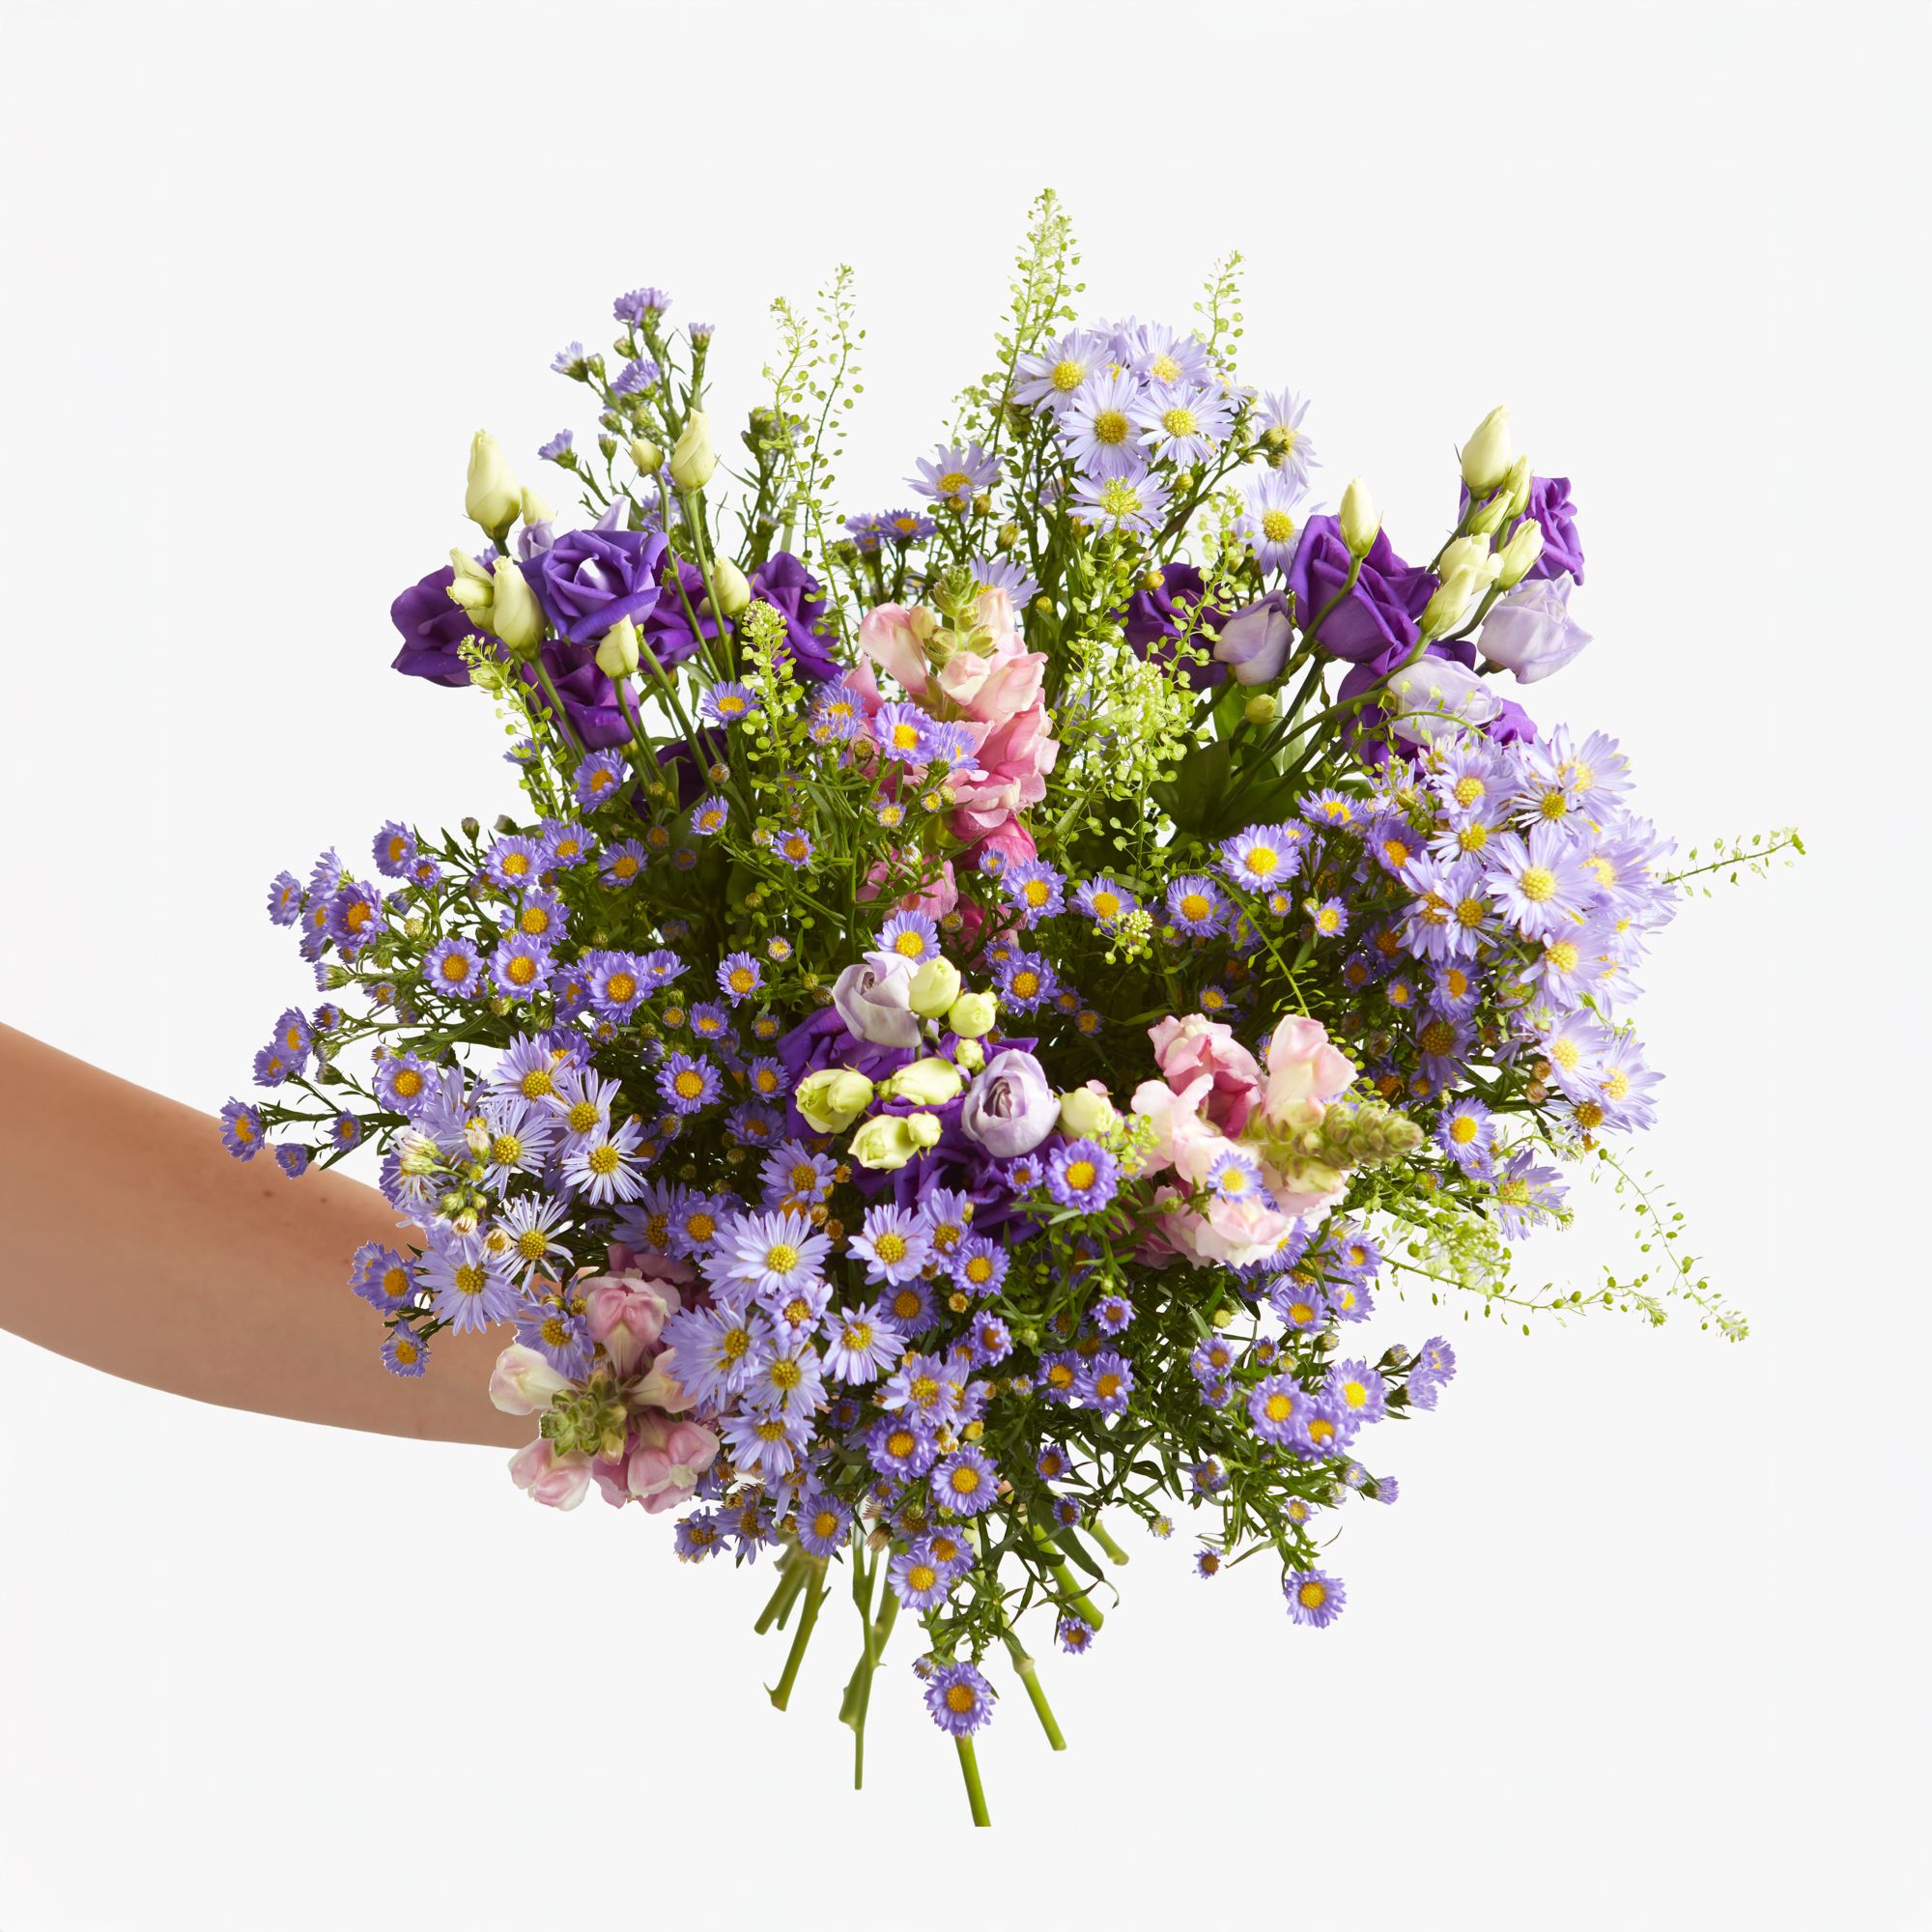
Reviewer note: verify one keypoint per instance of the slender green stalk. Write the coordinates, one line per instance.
(1042, 1710)
(791, 1577)
(1073, 1596)
(975, 1793)
(811, 1572)
(1097, 1530)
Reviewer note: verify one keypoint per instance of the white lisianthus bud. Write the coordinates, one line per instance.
(935, 985)
(1519, 553)
(1486, 518)
(972, 1015)
(492, 498)
(646, 455)
(734, 593)
(1488, 454)
(1262, 708)
(1085, 1112)
(1465, 554)
(1454, 595)
(617, 654)
(884, 1143)
(830, 1101)
(969, 1055)
(1360, 520)
(928, 1083)
(473, 588)
(693, 460)
(925, 1129)
(535, 509)
(515, 614)
(1515, 492)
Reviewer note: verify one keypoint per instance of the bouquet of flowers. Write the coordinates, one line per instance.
(983, 995)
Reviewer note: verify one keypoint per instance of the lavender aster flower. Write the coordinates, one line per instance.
(960, 1698)
(1313, 1597)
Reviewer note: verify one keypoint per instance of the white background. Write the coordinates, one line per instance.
(1642, 1640)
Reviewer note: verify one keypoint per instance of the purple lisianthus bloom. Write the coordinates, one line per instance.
(590, 580)
(1379, 609)
(1010, 1108)
(433, 629)
(793, 592)
(1253, 642)
(1550, 507)
(590, 700)
(873, 999)
(1156, 618)
(668, 626)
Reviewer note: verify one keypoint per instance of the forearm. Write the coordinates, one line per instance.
(129, 1240)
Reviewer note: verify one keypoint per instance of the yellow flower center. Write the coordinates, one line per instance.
(1110, 427)
(901, 1442)
(605, 1159)
(1263, 861)
(1069, 375)
(890, 1247)
(780, 1258)
(1026, 983)
(787, 1374)
(1081, 1175)
(1195, 905)
(582, 1117)
(1538, 884)
(1277, 526)
(521, 970)
(687, 1083)
(470, 1278)
(1311, 1596)
(960, 1699)
(531, 1245)
(1178, 420)
(743, 979)
(1164, 368)
(456, 969)
(1278, 1407)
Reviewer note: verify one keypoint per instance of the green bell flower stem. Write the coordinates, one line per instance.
(975, 1794)
(812, 1577)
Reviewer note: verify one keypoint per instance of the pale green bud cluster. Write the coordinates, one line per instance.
(1365, 1133)
(592, 1420)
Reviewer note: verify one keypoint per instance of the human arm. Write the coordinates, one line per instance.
(131, 1242)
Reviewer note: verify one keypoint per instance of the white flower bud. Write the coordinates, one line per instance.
(928, 1083)
(1488, 454)
(734, 592)
(492, 498)
(535, 509)
(617, 654)
(515, 614)
(972, 1015)
(646, 455)
(473, 588)
(935, 985)
(693, 460)
(1085, 1112)
(1360, 520)
(1519, 553)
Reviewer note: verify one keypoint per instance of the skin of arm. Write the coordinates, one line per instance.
(200, 1274)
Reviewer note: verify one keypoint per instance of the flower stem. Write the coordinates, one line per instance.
(791, 1573)
(812, 1573)
(975, 1796)
(1075, 1597)
(1042, 1710)
(1098, 1531)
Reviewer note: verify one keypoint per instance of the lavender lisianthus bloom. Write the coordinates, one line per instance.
(589, 579)
(433, 629)
(1254, 641)
(1378, 610)
(793, 592)
(1010, 1108)
(1531, 632)
(1155, 618)
(873, 997)
(1562, 547)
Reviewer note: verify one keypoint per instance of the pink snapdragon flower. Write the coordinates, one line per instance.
(662, 1467)
(1304, 1073)
(1186, 1049)
(557, 1481)
(627, 1314)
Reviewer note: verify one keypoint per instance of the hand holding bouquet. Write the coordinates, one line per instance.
(981, 995)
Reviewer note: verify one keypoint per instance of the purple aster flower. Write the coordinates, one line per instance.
(1082, 1175)
(467, 1285)
(861, 1345)
(1097, 427)
(771, 1255)
(902, 528)
(956, 473)
(513, 863)
(918, 1579)
(599, 777)
(990, 1339)
(729, 703)
(1197, 905)
(1004, 573)
(454, 968)
(602, 1167)
(1270, 526)
(1262, 856)
(1540, 883)
(1105, 902)
(404, 1352)
(1313, 1597)
(688, 1083)
(823, 1523)
(1467, 1132)
(1275, 1408)
(709, 816)
(345, 1131)
(640, 306)
(892, 1243)
(910, 935)
(355, 916)
(1112, 1314)
(966, 1483)
(292, 1157)
(403, 1082)
(394, 850)
(558, 446)
(1035, 889)
(1277, 423)
(1074, 1634)
(895, 1447)
(1053, 378)
(1357, 1390)
(740, 975)
(381, 1276)
(1107, 1382)
(1134, 503)
(900, 730)
(1206, 1564)
(520, 967)
(960, 1698)
(621, 862)
(979, 1266)
(1181, 421)
(909, 1305)
(562, 1339)
(285, 898)
(1526, 1193)
(1026, 981)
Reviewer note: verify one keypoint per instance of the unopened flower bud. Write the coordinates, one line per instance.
(1486, 518)
(1086, 1112)
(1488, 454)
(930, 1082)
(1515, 492)
(1465, 554)
(474, 588)
(934, 987)
(972, 1014)
(491, 497)
(886, 1143)
(969, 1055)
(1262, 708)
(1360, 520)
(646, 455)
(617, 654)
(693, 460)
(830, 1101)
(1519, 553)
(515, 614)
(734, 592)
